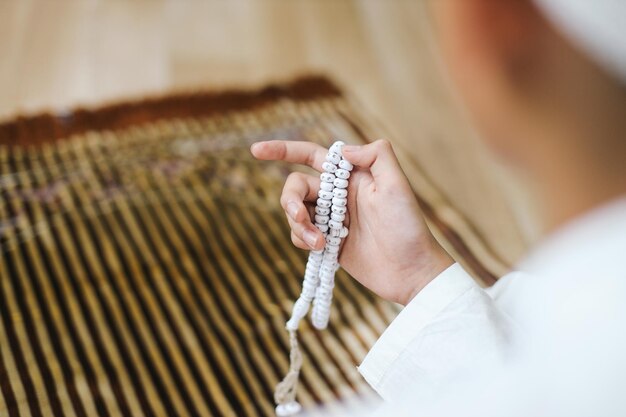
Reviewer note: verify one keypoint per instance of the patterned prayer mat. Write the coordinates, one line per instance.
(146, 266)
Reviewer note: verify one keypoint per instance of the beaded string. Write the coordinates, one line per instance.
(319, 275)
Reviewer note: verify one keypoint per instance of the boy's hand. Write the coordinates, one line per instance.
(389, 248)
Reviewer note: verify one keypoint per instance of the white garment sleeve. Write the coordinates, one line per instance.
(442, 336)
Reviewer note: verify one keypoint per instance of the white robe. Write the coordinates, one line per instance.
(549, 340)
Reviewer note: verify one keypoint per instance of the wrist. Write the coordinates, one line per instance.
(438, 261)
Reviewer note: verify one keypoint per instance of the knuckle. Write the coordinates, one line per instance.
(283, 200)
(296, 240)
(383, 144)
(318, 156)
(281, 150)
(310, 158)
(292, 180)
(297, 228)
(292, 176)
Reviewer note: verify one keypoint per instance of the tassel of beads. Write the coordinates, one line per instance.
(319, 275)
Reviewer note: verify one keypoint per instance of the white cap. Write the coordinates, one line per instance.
(598, 27)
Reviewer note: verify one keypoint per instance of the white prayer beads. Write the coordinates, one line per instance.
(288, 409)
(333, 158)
(344, 174)
(329, 167)
(323, 227)
(327, 177)
(321, 266)
(340, 183)
(326, 195)
(337, 217)
(319, 219)
(327, 186)
(319, 275)
(321, 202)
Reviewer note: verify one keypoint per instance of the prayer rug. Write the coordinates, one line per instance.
(146, 265)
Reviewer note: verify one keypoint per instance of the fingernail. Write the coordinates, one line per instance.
(292, 210)
(256, 145)
(351, 148)
(310, 238)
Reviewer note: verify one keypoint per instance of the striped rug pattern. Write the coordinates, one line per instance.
(146, 266)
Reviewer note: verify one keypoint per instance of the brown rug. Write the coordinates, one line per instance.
(146, 266)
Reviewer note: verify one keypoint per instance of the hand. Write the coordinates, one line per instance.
(389, 248)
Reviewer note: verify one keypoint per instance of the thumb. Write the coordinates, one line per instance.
(377, 156)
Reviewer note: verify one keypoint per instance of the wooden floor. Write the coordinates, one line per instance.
(59, 54)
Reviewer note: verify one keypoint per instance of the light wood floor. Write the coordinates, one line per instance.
(59, 54)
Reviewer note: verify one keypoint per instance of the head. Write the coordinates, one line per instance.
(538, 99)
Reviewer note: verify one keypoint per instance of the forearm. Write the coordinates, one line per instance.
(448, 329)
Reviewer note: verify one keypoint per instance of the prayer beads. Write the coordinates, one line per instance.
(319, 276)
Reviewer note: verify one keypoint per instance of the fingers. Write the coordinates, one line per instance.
(299, 243)
(304, 153)
(377, 156)
(299, 188)
(306, 236)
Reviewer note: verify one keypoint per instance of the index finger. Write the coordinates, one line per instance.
(297, 152)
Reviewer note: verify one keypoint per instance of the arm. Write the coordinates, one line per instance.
(448, 332)
(450, 323)
(569, 363)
